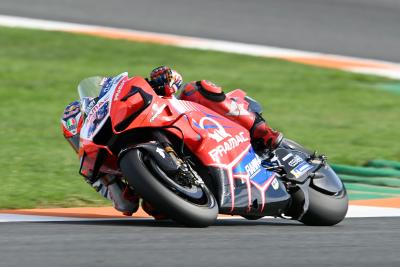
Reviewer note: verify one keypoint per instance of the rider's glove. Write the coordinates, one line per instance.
(165, 81)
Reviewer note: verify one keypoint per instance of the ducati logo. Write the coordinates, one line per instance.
(219, 133)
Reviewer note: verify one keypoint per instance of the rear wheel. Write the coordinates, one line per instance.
(191, 205)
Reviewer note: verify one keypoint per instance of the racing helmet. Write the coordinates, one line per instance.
(71, 123)
(165, 81)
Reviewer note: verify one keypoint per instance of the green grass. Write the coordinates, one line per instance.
(337, 113)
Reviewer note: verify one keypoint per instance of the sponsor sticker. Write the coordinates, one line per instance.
(275, 184)
(161, 152)
(230, 144)
(287, 156)
(106, 83)
(253, 168)
(71, 110)
(118, 91)
(71, 124)
(301, 169)
(296, 160)
(97, 115)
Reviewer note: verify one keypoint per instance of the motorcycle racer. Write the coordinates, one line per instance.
(167, 82)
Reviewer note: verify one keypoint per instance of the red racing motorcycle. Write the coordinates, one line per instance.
(191, 163)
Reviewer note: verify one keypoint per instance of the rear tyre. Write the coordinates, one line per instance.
(325, 210)
(176, 207)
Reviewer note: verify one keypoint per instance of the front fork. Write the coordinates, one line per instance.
(300, 200)
(183, 165)
(165, 143)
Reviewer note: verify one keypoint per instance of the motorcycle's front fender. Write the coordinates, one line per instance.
(325, 178)
(155, 150)
(322, 198)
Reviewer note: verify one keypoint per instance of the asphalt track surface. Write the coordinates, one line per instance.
(360, 28)
(269, 242)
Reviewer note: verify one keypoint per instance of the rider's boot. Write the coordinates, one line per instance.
(263, 136)
(236, 109)
(149, 209)
(122, 197)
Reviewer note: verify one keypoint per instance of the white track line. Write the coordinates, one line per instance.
(354, 212)
(353, 64)
(369, 212)
(38, 218)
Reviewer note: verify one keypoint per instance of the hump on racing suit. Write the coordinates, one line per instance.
(235, 106)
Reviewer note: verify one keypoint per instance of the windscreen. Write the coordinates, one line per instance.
(90, 87)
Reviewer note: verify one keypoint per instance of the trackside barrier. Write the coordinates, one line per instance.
(379, 181)
(381, 163)
(366, 171)
(379, 191)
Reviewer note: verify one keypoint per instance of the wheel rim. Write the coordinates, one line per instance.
(195, 194)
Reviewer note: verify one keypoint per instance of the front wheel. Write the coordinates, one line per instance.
(173, 200)
(324, 209)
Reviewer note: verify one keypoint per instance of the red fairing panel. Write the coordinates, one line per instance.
(220, 140)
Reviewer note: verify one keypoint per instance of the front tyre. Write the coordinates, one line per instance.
(166, 200)
(324, 209)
